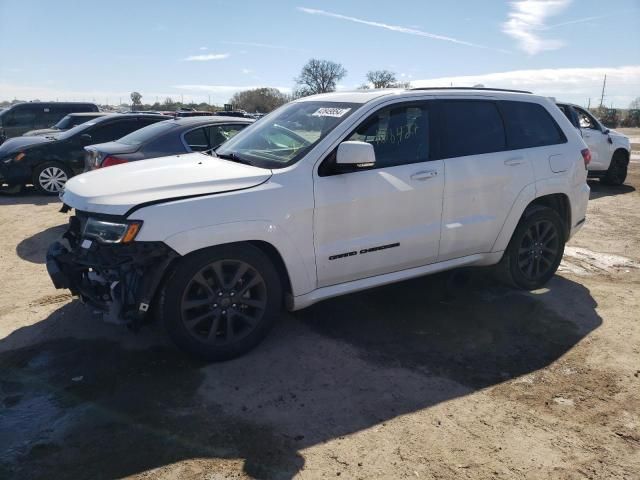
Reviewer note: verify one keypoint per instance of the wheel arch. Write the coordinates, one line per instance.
(527, 199)
(556, 201)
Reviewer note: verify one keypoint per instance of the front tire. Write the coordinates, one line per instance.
(535, 250)
(220, 302)
(50, 178)
(617, 171)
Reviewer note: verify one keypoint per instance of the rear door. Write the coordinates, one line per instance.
(483, 178)
(372, 221)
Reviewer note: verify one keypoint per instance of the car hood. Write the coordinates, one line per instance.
(15, 144)
(620, 139)
(115, 190)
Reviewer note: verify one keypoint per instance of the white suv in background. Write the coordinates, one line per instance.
(610, 150)
(327, 195)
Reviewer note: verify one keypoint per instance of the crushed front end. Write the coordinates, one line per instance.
(116, 275)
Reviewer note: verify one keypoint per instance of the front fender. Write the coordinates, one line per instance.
(302, 279)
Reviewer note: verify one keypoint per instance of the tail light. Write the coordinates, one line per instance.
(110, 161)
(586, 156)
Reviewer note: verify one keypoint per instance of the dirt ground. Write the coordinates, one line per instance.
(415, 380)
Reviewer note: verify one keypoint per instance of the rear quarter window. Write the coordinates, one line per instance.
(470, 127)
(530, 125)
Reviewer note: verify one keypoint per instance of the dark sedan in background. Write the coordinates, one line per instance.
(68, 122)
(47, 162)
(171, 137)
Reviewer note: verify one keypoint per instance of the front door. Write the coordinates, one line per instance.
(372, 221)
(597, 141)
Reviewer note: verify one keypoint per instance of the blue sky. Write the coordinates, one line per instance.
(203, 49)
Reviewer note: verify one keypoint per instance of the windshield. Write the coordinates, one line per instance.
(147, 133)
(67, 122)
(284, 137)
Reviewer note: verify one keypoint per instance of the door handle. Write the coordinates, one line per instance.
(424, 175)
(512, 162)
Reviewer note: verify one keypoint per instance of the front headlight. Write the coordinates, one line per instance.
(111, 232)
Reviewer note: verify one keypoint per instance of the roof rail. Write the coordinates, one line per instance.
(470, 88)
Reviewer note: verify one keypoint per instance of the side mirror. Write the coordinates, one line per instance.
(606, 131)
(356, 154)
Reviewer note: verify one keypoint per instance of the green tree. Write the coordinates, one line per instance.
(319, 76)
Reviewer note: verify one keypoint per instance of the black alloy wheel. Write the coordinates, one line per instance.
(220, 302)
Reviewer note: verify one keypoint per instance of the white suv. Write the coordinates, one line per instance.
(328, 195)
(610, 150)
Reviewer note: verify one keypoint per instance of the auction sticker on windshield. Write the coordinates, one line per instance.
(330, 112)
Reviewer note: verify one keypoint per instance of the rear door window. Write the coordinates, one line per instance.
(197, 139)
(111, 131)
(530, 125)
(470, 127)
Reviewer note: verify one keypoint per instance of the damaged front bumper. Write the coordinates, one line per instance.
(119, 280)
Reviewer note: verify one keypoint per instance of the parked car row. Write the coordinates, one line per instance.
(49, 160)
(329, 194)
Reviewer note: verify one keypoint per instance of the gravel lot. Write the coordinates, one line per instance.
(414, 380)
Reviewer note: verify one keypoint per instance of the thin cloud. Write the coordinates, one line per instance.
(582, 20)
(526, 20)
(206, 58)
(393, 28)
(263, 45)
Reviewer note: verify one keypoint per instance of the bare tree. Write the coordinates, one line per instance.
(136, 99)
(261, 100)
(381, 78)
(319, 76)
(635, 105)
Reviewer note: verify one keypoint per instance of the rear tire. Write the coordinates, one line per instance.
(535, 250)
(49, 178)
(220, 302)
(617, 171)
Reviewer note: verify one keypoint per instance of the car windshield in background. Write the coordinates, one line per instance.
(73, 131)
(66, 122)
(147, 133)
(284, 137)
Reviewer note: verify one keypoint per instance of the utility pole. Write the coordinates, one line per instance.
(589, 104)
(604, 83)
